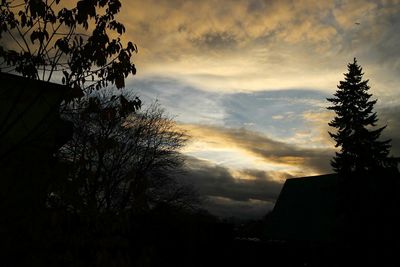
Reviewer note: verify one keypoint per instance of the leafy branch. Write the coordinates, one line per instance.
(42, 37)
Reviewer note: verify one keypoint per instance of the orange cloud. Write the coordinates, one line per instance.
(257, 150)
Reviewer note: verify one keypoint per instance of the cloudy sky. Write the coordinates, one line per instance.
(249, 80)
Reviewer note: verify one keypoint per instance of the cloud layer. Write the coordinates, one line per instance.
(248, 80)
(256, 45)
(227, 195)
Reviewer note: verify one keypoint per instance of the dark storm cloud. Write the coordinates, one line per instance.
(218, 181)
(226, 195)
(227, 208)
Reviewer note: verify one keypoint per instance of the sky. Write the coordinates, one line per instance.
(248, 81)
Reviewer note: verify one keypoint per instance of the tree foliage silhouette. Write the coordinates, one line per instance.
(79, 39)
(355, 121)
(120, 158)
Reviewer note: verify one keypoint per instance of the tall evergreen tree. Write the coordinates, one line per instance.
(355, 121)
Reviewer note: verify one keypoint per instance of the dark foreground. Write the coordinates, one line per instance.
(168, 237)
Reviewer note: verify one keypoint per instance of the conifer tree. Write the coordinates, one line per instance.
(355, 121)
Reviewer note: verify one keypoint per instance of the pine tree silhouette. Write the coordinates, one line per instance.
(355, 121)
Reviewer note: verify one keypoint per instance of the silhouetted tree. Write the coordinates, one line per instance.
(360, 149)
(79, 39)
(121, 158)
